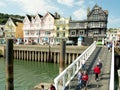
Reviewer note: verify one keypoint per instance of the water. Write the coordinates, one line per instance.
(28, 74)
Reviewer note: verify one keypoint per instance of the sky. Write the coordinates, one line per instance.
(77, 9)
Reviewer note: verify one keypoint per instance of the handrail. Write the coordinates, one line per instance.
(64, 78)
(111, 85)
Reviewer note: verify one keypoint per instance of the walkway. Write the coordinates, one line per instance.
(103, 84)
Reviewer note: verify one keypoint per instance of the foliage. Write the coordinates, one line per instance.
(4, 17)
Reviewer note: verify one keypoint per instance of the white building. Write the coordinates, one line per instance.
(39, 29)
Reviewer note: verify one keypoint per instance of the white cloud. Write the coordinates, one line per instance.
(80, 14)
(2, 4)
(66, 2)
(36, 6)
(80, 2)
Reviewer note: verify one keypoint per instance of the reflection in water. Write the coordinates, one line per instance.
(27, 74)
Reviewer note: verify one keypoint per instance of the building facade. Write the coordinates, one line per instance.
(77, 29)
(2, 34)
(61, 29)
(97, 23)
(10, 28)
(13, 28)
(31, 28)
(39, 29)
(94, 27)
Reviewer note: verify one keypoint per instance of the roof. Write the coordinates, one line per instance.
(16, 20)
(29, 17)
(98, 7)
(40, 15)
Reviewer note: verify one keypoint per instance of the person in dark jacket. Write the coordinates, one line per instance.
(97, 71)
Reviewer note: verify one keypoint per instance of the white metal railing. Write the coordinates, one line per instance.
(64, 78)
(111, 85)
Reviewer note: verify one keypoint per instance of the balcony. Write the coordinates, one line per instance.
(77, 27)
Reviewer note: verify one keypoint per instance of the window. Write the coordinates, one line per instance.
(47, 33)
(96, 32)
(63, 28)
(57, 34)
(26, 33)
(63, 34)
(73, 33)
(37, 33)
(81, 33)
(58, 28)
(95, 17)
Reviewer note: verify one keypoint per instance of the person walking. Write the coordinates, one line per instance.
(85, 79)
(79, 77)
(83, 65)
(97, 71)
(100, 64)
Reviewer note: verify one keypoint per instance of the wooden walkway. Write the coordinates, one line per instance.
(103, 83)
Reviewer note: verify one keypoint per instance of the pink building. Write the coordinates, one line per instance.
(39, 29)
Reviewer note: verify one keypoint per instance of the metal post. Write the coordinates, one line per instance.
(49, 59)
(62, 55)
(118, 78)
(9, 65)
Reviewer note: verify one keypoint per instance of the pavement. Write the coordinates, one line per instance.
(103, 83)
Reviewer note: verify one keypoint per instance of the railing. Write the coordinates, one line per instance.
(111, 86)
(64, 78)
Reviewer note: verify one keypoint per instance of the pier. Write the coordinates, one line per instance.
(41, 53)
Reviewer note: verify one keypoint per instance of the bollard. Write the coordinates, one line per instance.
(62, 55)
(118, 77)
(9, 65)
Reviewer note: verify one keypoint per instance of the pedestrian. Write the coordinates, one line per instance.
(97, 71)
(109, 46)
(83, 65)
(52, 87)
(84, 79)
(100, 64)
(42, 87)
(79, 77)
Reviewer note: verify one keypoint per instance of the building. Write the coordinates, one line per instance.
(39, 29)
(61, 29)
(77, 28)
(118, 34)
(2, 34)
(113, 34)
(13, 28)
(31, 28)
(92, 29)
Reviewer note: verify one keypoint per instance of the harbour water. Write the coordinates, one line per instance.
(28, 74)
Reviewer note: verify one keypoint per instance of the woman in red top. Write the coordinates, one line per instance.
(85, 79)
(96, 71)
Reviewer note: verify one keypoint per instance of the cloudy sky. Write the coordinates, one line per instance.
(77, 9)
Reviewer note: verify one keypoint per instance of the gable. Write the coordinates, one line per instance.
(48, 17)
(37, 18)
(26, 20)
(97, 14)
(10, 23)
